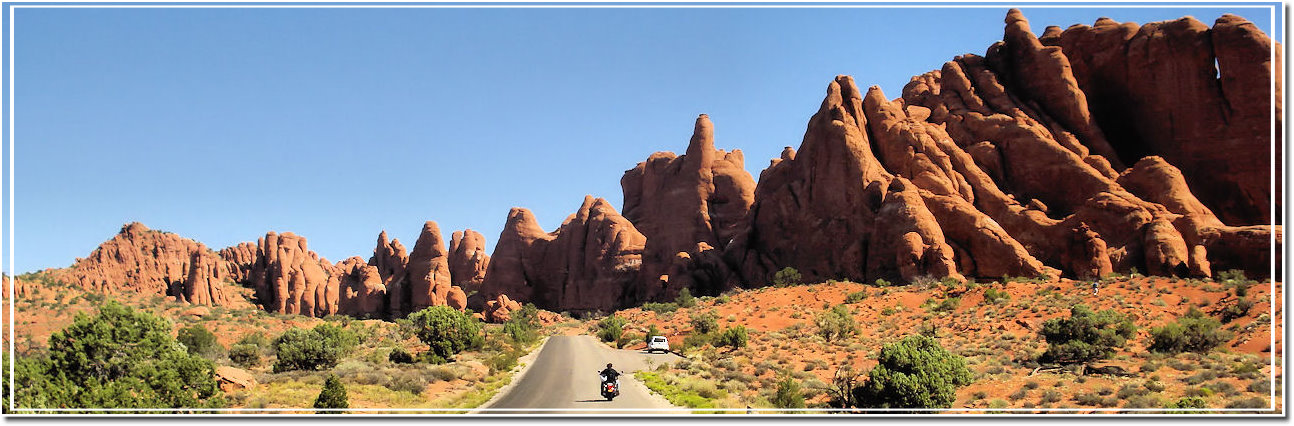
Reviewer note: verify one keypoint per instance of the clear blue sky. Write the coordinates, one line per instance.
(222, 124)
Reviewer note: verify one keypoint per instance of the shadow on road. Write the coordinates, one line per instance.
(595, 400)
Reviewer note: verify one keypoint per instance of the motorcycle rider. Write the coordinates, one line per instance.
(610, 375)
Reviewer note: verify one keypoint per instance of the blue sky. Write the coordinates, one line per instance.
(222, 124)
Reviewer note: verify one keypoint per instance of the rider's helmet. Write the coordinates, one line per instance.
(608, 365)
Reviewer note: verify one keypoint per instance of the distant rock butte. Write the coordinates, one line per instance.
(589, 263)
(681, 203)
(144, 261)
(468, 260)
(1083, 152)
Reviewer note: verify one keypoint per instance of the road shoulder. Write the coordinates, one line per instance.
(518, 373)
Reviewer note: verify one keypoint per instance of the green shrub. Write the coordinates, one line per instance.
(947, 305)
(1236, 310)
(407, 381)
(788, 393)
(503, 361)
(992, 296)
(705, 323)
(612, 328)
(1193, 332)
(1129, 390)
(654, 331)
(199, 341)
(1086, 335)
(856, 297)
(400, 356)
(1233, 277)
(523, 325)
(685, 299)
(836, 322)
(1143, 401)
(914, 373)
(446, 330)
(245, 355)
(787, 277)
(735, 337)
(315, 349)
(430, 357)
(1187, 402)
(660, 308)
(333, 395)
(120, 358)
(696, 340)
(256, 339)
(1252, 402)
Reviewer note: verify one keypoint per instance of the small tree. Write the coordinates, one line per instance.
(120, 358)
(400, 356)
(199, 341)
(788, 393)
(446, 330)
(654, 331)
(612, 329)
(1086, 335)
(835, 323)
(786, 277)
(842, 387)
(333, 395)
(244, 355)
(735, 337)
(1193, 332)
(914, 373)
(685, 299)
(705, 323)
(315, 349)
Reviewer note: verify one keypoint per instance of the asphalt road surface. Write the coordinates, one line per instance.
(563, 379)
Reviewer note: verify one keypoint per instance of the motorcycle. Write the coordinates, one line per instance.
(610, 388)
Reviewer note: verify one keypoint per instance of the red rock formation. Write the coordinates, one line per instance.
(240, 258)
(500, 309)
(1014, 126)
(1155, 90)
(429, 277)
(680, 202)
(590, 263)
(206, 280)
(140, 260)
(231, 379)
(392, 263)
(362, 293)
(822, 209)
(19, 287)
(467, 259)
(287, 276)
(906, 238)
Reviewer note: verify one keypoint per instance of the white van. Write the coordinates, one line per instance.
(658, 343)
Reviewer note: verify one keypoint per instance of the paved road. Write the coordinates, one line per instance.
(563, 379)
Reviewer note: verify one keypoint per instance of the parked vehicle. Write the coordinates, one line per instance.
(658, 343)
